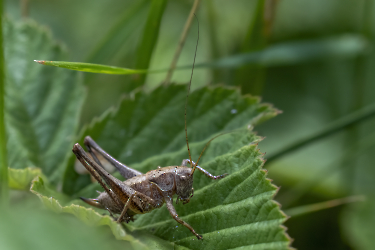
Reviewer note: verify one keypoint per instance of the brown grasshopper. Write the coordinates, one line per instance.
(141, 193)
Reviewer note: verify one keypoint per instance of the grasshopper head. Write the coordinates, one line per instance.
(184, 184)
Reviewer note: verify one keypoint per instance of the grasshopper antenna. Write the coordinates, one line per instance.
(187, 97)
(208, 143)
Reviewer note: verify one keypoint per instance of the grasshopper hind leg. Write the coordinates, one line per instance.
(124, 170)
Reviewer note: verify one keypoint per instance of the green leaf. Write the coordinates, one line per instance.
(42, 104)
(23, 227)
(44, 229)
(92, 218)
(226, 212)
(89, 216)
(21, 178)
(158, 117)
(146, 131)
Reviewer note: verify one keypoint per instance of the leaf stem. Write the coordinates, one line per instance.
(181, 42)
(301, 210)
(332, 128)
(3, 139)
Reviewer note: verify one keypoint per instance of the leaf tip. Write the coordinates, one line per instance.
(40, 61)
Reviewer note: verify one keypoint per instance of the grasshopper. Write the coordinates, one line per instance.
(141, 193)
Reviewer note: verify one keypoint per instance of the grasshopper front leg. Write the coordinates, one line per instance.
(172, 211)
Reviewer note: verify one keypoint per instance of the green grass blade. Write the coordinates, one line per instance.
(304, 186)
(119, 34)
(212, 17)
(251, 77)
(275, 55)
(3, 138)
(332, 128)
(149, 38)
(294, 52)
(93, 68)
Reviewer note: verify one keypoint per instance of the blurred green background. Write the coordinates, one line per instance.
(314, 60)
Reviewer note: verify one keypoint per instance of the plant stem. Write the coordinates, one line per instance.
(217, 75)
(3, 139)
(332, 128)
(24, 8)
(181, 42)
(149, 39)
(301, 210)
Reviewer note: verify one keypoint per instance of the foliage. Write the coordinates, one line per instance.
(312, 59)
(42, 105)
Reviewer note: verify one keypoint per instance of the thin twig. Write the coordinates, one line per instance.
(24, 8)
(181, 42)
(269, 16)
